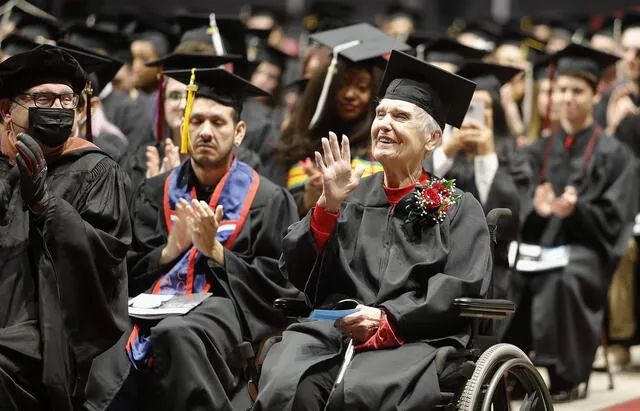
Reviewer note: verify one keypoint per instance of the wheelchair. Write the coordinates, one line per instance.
(477, 378)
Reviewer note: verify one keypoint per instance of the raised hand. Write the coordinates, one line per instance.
(543, 199)
(477, 138)
(33, 174)
(179, 239)
(171, 158)
(153, 162)
(204, 223)
(338, 180)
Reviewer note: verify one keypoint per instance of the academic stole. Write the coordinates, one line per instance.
(235, 193)
(297, 177)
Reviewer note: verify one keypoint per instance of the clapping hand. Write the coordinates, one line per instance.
(203, 224)
(33, 174)
(620, 106)
(543, 199)
(179, 239)
(564, 205)
(338, 180)
(476, 138)
(171, 158)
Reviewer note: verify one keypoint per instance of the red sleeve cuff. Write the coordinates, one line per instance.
(322, 225)
(384, 338)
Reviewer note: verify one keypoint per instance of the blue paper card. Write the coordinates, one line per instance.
(330, 315)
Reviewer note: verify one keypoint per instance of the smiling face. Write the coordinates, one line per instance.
(355, 93)
(398, 135)
(214, 132)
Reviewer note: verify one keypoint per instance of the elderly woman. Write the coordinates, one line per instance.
(401, 243)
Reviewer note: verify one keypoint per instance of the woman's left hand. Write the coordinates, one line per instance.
(362, 325)
(478, 137)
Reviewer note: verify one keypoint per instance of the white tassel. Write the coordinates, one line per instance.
(215, 35)
(327, 80)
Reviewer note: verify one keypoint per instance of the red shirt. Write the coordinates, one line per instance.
(322, 225)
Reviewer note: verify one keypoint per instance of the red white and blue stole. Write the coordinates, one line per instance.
(235, 192)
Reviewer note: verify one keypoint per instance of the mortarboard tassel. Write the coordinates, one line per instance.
(215, 35)
(88, 93)
(160, 110)
(192, 88)
(331, 71)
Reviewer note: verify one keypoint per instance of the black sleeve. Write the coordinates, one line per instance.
(87, 248)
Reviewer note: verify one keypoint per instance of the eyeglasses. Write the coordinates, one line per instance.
(46, 100)
(176, 97)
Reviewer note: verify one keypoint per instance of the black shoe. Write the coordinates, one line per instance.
(562, 396)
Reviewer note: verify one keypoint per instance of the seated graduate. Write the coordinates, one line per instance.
(481, 156)
(400, 243)
(64, 235)
(575, 231)
(210, 225)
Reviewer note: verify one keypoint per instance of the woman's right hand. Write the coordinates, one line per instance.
(338, 180)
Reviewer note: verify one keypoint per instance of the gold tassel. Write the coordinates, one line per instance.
(192, 88)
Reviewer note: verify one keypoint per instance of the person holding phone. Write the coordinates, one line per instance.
(480, 156)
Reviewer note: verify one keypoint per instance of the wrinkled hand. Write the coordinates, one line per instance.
(313, 185)
(179, 239)
(362, 325)
(564, 205)
(338, 180)
(543, 199)
(153, 162)
(33, 174)
(204, 223)
(171, 158)
(477, 138)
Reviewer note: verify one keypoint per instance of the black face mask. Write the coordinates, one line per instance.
(51, 126)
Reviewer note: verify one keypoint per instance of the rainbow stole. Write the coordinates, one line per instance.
(235, 193)
(297, 178)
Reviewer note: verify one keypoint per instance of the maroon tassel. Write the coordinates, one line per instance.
(88, 93)
(160, 110)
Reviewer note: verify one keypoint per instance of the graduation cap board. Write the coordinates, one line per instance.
(582, 61)
(265, 10)
(271, 55)
(100, 40)
(397, 11)
(443, 95)
(323, 15)
(488, 76)
(175, 61)
(359, 43)
(14, 44)
(34, 27)
(155, 31)
(217, 28)
(446, 50)
(216, 84)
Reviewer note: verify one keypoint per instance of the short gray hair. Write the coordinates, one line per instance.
(426, 122)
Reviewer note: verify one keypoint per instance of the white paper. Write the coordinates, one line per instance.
(533, 258)
(158, 306)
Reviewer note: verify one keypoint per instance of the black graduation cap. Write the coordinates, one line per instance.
(101, 68)
(488, 76)
(34, 27)
(156, 31)
(44, 64)
(15, 43)
(445, 96)
(525, 41)
(360, 43)
(446, 50)
(215, 84)
(541, 69)
(421, 37)
(323, 15)
(101, 40)
(197, 26)
(631, 18)
(583, 61)
(175, 61)
(272, 55)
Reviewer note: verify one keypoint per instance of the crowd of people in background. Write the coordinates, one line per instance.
(552, 132)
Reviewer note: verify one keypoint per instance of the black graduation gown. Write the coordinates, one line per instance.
(510, 187)
(196, 363)
(63, 286)
(130, 117)
(413, 272)
(560, 311)
(262, 131)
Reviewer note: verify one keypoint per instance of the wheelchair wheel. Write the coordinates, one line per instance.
(487, 381)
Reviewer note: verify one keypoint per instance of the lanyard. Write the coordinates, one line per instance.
(593, 140)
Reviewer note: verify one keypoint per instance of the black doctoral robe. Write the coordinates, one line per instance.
(413, 272)
(560, 311)
(196, 363)
(63, 288)
(128, 116)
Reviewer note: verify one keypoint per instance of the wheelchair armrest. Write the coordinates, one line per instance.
(292, 307)
(481, 308)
